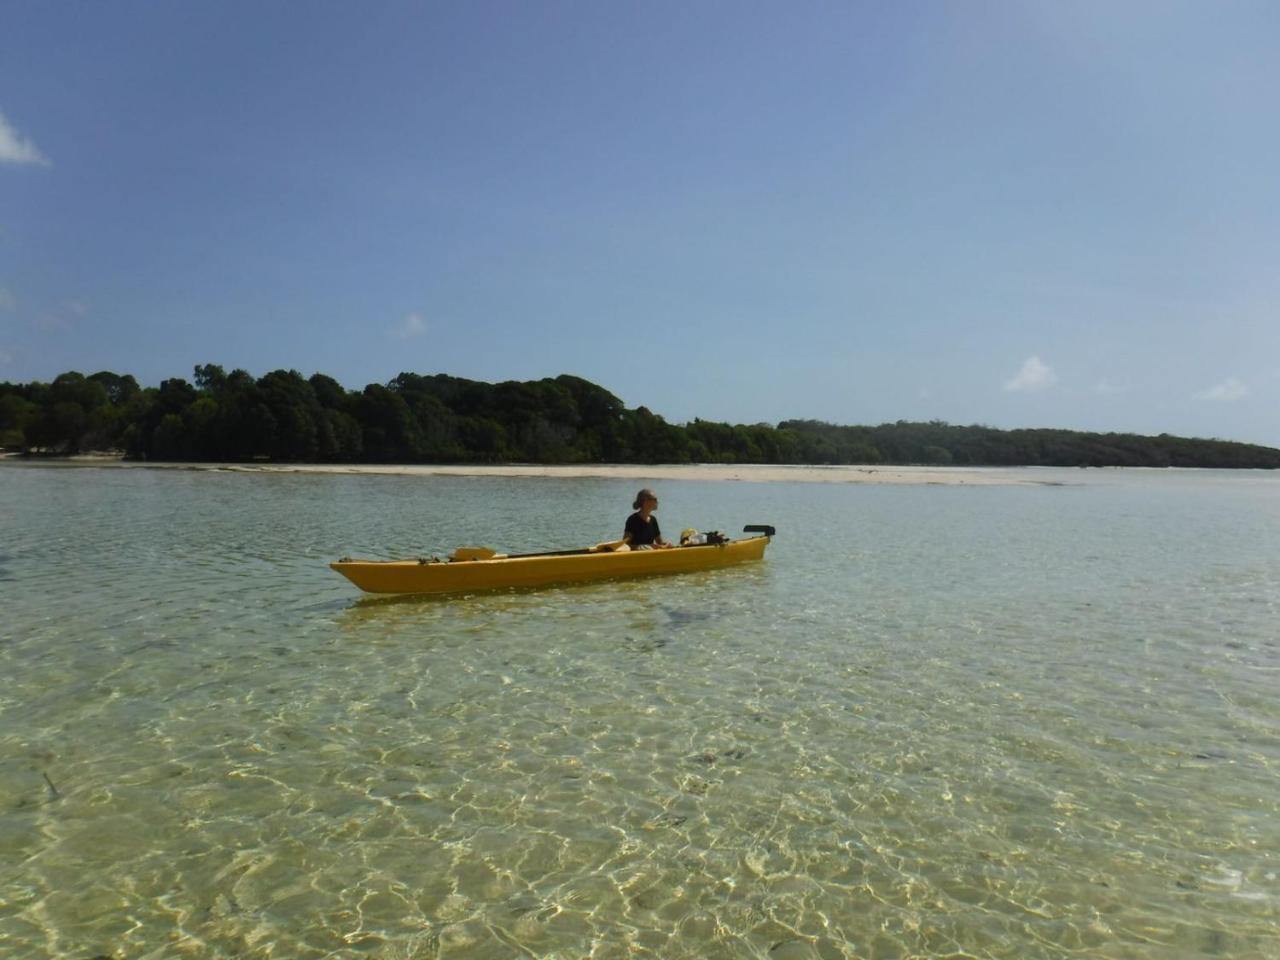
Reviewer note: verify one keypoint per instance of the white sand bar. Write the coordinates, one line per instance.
(750, 473)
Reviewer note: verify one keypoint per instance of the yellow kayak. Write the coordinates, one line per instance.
(476, 568)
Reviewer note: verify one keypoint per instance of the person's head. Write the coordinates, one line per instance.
(645, 497)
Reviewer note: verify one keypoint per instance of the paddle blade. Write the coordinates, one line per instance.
(473, 553)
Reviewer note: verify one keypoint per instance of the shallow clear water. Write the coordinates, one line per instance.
(1033, 721)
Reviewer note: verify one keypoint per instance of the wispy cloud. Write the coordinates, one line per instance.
(53, 322)
(63, 317)
(411, 326)
(1226, 391)
(1106, 388)
(1034, 375)
(15, 148)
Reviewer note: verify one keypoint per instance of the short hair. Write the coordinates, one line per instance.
(641, 497)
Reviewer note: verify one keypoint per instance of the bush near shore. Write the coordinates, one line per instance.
(282, 416)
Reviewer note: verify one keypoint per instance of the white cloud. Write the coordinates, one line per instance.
(1226, 391)
(1034, 375)
(1106, 388)
(52, 323)
(411, 326)
(15, 148)
(63, 317)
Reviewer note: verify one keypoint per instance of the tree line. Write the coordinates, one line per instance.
(282, 416)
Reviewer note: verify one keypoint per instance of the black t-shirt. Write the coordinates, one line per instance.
(642, 534)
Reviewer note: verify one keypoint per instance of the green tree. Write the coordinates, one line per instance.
(232, 416)
(390, 432)
(17, 414)
(295, 414)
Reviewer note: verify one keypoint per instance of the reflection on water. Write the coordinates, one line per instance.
(1008, 722)
(568, 592)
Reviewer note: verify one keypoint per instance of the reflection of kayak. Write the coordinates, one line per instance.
(480, 569)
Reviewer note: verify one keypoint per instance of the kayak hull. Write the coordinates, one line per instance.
(538, 570)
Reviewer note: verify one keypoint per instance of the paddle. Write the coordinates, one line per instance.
(463, 554)
(473, 553)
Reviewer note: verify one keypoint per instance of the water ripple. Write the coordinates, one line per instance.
(984, 722)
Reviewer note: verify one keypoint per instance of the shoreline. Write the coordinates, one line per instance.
(748, 473)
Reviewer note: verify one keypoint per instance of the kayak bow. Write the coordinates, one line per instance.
(474, 569)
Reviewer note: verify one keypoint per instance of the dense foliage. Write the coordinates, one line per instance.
(441, 419)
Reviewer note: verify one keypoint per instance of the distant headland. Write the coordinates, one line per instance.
(283, 417)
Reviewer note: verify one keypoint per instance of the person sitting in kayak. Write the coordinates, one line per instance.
(642, 531)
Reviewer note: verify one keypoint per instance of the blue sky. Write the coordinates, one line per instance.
(1019, 214)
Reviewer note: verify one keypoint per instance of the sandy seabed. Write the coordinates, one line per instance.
(751, 473)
